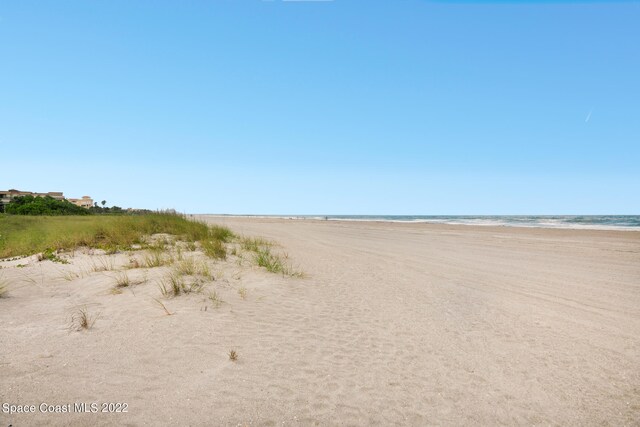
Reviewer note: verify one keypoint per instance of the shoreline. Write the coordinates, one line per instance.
(473, 221)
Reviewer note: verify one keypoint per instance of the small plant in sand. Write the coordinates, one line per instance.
(31, 280)
(215, 299)
(264, 257)
(134, 263)
(253, 244)
(156, 258)
(82, 320)
(179, 255)
(186, 267)
(234, 251)
(205, 271)
(4, 289)
(164, 307)
(51, 255)
(190, 267)
(124, 281)
(194, 287)
(275, 263)
(70, 276)
(240, 259)
(158, 243)
(102, 263)
(172, 285)
(233, 355)
(242, 292)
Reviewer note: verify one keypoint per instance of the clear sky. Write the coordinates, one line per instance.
(325, 107)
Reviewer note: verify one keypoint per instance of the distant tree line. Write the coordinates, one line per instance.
(37, 205)
(30, 205)
(105, 209)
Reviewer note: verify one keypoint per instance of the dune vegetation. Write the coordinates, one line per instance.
(28, 235)
(49, 236)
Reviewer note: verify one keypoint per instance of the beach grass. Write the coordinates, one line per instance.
(82, 319)
(156, 258)
(4, 289)
(122, 280)
(104, 263)
(186, 267)
(172, 285)
(164, 307)
(265, 257)
(27, 235)
(275, 263)
(254, 244)
(215, 299)
(214, 248)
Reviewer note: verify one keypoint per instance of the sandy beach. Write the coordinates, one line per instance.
(393, 324)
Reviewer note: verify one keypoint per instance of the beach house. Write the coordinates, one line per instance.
(6, 196)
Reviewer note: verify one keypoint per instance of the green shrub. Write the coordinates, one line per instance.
(30, 205)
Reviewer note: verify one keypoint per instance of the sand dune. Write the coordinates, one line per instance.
(403, 324)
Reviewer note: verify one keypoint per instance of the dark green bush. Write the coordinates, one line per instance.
(30, 205)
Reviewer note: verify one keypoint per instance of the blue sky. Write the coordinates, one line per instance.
(339, 107)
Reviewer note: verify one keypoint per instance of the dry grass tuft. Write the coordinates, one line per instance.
(215, 299)
(253, 244)
(4, 289)
(124, 281)
(194, 287)
(164, 307)
(233, 355)
(104, 263)
(134, 263)
(70, 276)
(265, 257)
(186, 267)
(156, 258)
(243, 293)
(82, 320)
(174, 285)
(275, 263)
(204, 271)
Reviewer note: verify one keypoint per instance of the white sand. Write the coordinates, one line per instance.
(407, 324)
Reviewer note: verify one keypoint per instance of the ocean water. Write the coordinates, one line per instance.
(596, 222)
